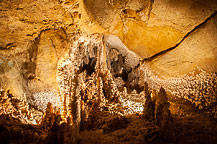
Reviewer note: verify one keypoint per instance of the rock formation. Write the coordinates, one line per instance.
(71, 64)
(149, 106)
(162, 112)
(157, 109)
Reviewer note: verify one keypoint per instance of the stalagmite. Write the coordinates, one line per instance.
(162, 117)
(108, 71)
(149, 106)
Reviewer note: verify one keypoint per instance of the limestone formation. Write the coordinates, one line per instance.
(36, 35)
(162, 112)
(157, 109)
(149, 106)
(67, 66)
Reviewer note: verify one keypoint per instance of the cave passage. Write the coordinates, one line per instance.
(108, 72)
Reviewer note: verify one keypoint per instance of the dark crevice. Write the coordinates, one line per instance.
(89, 67)
(150, 8)
(8, 46)
(171, 48)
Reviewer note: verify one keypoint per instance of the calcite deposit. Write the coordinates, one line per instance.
(122, 70)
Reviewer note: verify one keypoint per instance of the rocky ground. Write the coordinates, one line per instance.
(189, 126)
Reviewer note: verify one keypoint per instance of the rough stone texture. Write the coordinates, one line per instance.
(189, 70)
(122, 63)
(24, 20)
(150, 26)
(197, 50)
(149, 106)
(48, 54)
(67, 66)
(162, 112)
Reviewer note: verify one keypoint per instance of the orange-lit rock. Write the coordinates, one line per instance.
(71, 70)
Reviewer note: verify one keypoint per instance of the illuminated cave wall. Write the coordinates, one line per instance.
(47, 48)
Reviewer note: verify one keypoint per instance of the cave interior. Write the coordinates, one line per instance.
(108, 72)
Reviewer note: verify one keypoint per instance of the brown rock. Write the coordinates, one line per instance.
(149, 106)
(162, 113)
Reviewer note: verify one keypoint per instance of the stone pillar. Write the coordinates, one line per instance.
(162, 112)
(149, 106)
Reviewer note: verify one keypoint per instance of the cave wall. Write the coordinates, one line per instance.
(175, 40)
(168, 43)
(150, 26)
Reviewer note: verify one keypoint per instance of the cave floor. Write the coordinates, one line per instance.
(190, 126)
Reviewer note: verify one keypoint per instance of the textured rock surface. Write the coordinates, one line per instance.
(24, 20)
(198, 49)
(150, 26)
(49, 53)
(189, 70)
(72, 65)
